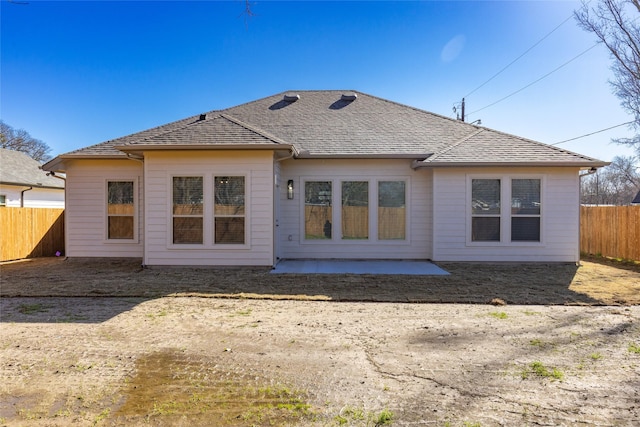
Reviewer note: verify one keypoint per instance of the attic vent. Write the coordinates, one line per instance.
(203, 116)
(291, 97)
(349, 97)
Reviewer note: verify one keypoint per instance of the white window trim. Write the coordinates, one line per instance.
(208, 217)
(244, 245)
(505, 210)
(407, 210)
(136, 207)
(336, 203)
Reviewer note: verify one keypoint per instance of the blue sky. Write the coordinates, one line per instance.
(82, 72)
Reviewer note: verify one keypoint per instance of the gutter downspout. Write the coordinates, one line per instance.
(53, 174)
(276, 230)
(136, 158)
(291, 155)
(22, 196)
(141, 217)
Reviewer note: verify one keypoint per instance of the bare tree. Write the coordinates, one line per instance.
(20, 140)
(616, 23)
(615, 184)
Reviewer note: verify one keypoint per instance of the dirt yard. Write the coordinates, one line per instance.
(85, 342)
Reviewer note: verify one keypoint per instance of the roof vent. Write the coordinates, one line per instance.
(203, 116)
(349, 97)
(291, 97)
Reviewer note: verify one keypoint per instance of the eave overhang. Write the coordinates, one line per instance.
(20, 184)
(139, 148)
(418, 164)
(415, 157)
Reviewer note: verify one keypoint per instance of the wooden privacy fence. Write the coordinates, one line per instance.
(31, 232)
(612, 231)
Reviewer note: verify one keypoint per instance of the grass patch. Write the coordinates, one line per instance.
(538, 369)
(161, 313)
(499, 314)
(32, 308)
(356, 416)
(634, 348)
(246, 312)
(202, 392)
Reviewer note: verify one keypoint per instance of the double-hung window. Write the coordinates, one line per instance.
(517, 221)
(392, 210)
(120, 210)
(525, 210)
(229, 210)
(485, 210)
(355, 210)
(188, 209)
(318, 212)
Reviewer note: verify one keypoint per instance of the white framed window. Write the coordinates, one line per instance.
(492, 221)
(526, 204)
(355, 210)
(121, 210)
(187, 209)
(364, 210)
(392, 210)
(229, 213)
(485, 210)
(318, 210)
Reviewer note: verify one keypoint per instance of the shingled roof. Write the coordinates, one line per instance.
(17, 168)
(341, 124)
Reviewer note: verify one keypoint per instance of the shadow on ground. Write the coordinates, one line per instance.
(66, 281)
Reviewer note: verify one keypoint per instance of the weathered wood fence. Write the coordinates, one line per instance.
(611, 231)
(30, 232)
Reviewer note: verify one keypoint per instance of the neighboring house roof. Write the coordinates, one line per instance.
(636, 200)
(340, 124)
(17, 168)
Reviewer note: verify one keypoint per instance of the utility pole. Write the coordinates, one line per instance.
(455, 110)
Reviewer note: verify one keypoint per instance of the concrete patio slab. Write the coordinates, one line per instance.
(358, 267)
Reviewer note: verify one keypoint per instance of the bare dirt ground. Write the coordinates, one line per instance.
(104, 342)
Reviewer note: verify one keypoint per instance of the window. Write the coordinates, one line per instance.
(229, 209)
(317, 210)
(120, 210)
(3, 200)
(485, 210)
(525, 210)
(355, 210)
(517, 221)
(187, 209)
(392, 217)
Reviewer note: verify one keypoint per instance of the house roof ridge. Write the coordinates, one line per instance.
(168, 131)
(454, 145)
(253, 128)
(542, 144)
(420, 110)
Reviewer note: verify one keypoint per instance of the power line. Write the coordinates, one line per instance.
(593, 133)
(536, 81)
(523, 54)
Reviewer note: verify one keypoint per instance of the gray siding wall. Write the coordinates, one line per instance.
(560, 219)
(86, 208)
(256, 166)
(292, 243)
